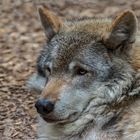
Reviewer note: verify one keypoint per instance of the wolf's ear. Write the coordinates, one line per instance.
(50, 22)
(123, 30)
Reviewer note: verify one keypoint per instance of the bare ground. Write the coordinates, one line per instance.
(21, 38)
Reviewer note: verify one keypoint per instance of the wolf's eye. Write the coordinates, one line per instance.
(81, 71)
(47, 70)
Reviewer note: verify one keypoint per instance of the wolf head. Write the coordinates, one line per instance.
(85, 66)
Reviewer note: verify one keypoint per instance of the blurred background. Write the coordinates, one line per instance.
(21, 39)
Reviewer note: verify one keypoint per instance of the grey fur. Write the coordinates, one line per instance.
(36, 83)
(90, 106)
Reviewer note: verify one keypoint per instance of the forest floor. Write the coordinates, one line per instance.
(21, 39)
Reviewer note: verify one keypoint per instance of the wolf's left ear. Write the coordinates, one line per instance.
(50, 22)
(123, 30)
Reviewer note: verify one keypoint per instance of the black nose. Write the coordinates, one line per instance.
(44, 106)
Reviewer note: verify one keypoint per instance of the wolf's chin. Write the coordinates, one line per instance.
(51, 119)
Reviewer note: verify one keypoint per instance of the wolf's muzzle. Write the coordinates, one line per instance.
(44, 106)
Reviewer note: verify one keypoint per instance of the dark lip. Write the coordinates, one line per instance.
(50, 120)
(56, 121)
(59, 121)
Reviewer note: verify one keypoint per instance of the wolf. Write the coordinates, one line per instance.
(88, 78)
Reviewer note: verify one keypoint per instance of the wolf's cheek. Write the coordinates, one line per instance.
(72, 102)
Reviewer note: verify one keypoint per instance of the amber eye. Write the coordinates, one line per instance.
(81, 71)
(47, 70)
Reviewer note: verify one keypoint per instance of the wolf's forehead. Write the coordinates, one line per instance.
(84, 48)
(69, 45)
(78, 35)
(72, 41)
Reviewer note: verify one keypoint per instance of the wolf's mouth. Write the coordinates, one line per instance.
(50, 119)
(57, 121)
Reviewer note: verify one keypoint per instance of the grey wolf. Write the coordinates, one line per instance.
(88, 78)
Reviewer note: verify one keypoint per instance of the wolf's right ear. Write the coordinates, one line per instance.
(50, 22)
(123, 30)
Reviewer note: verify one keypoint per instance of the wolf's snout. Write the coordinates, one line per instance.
(44, 106)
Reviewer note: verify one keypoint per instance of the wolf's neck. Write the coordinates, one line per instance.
(82, 129)
(67, 131)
